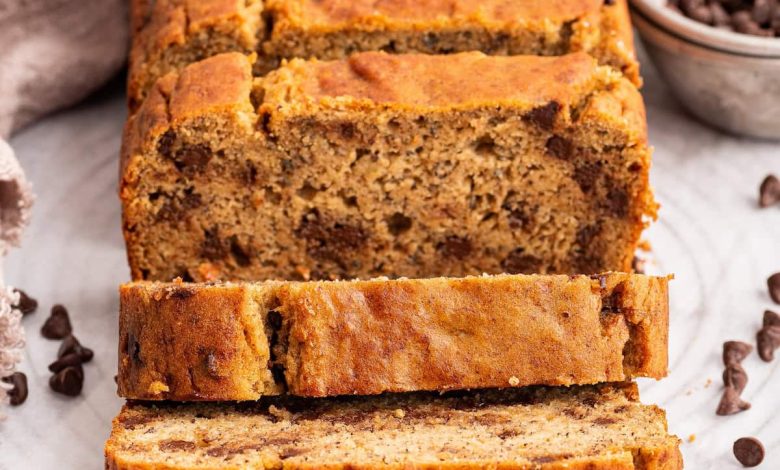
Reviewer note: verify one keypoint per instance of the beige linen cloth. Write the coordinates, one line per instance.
(53, 53)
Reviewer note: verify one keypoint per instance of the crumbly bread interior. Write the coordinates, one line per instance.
(602, 427)
(169, 34)
(361, 168)
(243, 341)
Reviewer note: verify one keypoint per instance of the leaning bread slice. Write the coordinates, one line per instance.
(602, 427)
(169, 34)
(386, 165)
(242, 341)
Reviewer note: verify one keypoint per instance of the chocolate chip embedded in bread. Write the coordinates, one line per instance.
(559, 147)
(519, 262)
(26, 304)
(165, 143)
(731, 403)
(769, 192)
(57, 326)
(174, 445)
(18, 393)
(213, 247)
(69, 381)
(192, 158)
(735, 351)
(455, 247)
(749, 451)
(544, 116)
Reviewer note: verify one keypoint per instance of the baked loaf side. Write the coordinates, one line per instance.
(169, 34)
(386, 165)
(601, 427)
(242, 341)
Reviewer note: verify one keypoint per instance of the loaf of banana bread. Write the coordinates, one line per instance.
(386, 165)
(242, 341)
(597, 428)
(169, 34)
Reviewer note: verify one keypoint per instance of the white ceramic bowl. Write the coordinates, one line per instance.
(727, 79)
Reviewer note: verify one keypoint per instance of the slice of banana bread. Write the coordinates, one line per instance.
(241, 341)
(169, 34)
(386, 165)
(602, 427)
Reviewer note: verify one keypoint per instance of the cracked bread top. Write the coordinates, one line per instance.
(603, 427)
(170, 34)
(242, 341)
(580, 89)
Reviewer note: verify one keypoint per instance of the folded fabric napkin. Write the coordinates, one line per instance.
(54, 53)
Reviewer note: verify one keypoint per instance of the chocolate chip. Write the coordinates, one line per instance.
(213, 248)
(330, 240)
(587, 175)
(18, 393)
(239, 253)
(559, 147)
(749, 451)
(174, 445)
(768, 339)
(67, 360)
(57, 326)
(769, 193)
(544, 116)
(616, 202)
(519, 262)
(638, 265)
(735, 351)
(69, 381)
(731, 403)
(26, 304)
(773, 284)
(735, 376)
(71, 345)
(771, 319)
(165, 144)
(398, 223)
(455, 247)
(192, 159)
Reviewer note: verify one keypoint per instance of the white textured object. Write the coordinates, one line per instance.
(711, 235)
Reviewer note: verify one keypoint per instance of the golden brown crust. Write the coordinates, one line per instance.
(170, 34)
(216, 342)
(603, 427)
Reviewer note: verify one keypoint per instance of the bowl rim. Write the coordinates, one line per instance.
(705, 35)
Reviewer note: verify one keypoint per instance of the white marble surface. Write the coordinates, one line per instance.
(710, 234)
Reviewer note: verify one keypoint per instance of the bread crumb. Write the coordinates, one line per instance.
(280, 413)
(692, 438)
(514, 381)
(157, 387)
(399, 413)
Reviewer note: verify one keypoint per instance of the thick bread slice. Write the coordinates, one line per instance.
(242, 341)
(582, 428)
(169, 34)
(386, 165)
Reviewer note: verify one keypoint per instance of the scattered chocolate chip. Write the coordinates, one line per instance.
(57, 326)
(26, 304)
(71, 345)
(768, 339)
(749, 451)
(18, 394)
(771, 319)
(773, 283)
(756, 17)
(67, 360)
(735, 376)
(69, 381)
(769, 193)
(735, 351)
(731, 403)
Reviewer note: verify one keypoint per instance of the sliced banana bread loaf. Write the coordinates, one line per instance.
(386, 165)
(172, 33)
(241, 341)
(593, 428)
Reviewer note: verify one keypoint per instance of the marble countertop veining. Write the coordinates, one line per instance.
(710, 234)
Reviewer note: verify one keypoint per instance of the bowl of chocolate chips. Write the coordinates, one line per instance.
(721, 59)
